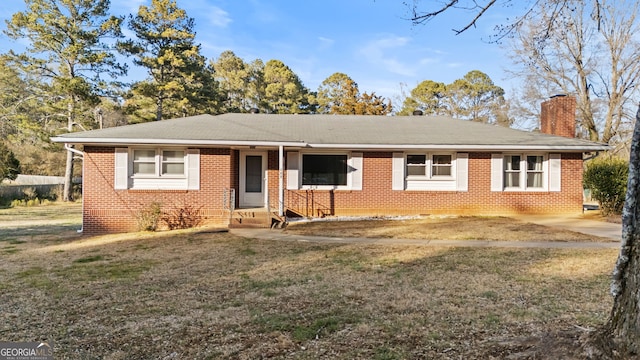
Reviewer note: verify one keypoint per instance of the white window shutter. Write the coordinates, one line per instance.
(555, 161)
(356, 171)
(293, 164)
(497, 172)
(398, 171)
(193, 169)
(121, 169)
(462, 171)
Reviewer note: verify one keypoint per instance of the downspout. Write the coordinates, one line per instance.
(280, 180)
(81, 154)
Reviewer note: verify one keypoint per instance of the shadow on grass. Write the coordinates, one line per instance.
(53, 232)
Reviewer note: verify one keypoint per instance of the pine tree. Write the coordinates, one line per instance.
(67, 50)
(179, 82)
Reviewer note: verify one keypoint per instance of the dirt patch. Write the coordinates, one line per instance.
(443, 228)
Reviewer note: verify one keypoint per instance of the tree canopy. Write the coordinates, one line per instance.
(9, 165)
(473, 97)
(339, 94)
(179, 82)
(67, 51)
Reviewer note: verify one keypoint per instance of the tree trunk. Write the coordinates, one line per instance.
(159, 108)
(622, 330)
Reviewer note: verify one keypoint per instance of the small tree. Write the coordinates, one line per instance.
(607, 180)
(9, 165)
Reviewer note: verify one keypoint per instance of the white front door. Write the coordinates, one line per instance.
(253, 166)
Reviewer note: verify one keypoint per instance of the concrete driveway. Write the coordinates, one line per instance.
(578, 224)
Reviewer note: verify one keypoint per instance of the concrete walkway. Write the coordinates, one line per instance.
(577, 224)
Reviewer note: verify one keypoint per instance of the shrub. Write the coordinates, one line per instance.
(147, 218)
(183, 217)
(607, 180)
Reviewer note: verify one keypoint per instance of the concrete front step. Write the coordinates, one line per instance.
(252, 218)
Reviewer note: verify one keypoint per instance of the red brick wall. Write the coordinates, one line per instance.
(377, 198)
(558, 116)
(108, 210)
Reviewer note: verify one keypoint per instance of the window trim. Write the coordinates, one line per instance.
(524, 171)
(125, 180)
(354, 170)
(429, 165)
(336, 175)
(458, 180)
(158, 162)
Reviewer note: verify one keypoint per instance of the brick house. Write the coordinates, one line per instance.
(234, 166)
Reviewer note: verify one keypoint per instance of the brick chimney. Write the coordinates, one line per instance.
(558, 116)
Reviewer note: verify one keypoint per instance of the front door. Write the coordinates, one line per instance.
(253, 167)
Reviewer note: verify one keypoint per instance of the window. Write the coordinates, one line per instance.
(157, 169)
(429, 166)
(158, 163)
(512, 171)
(523, 172)
(172, 162)
(416, 165)
(324, 170)
(534, 171)
(441, 165)
(144, 162)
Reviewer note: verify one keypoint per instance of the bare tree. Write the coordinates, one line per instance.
(597, 59)
(614, 25)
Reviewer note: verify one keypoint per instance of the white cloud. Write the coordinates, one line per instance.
(325, 42)
(217, 17)
(376, 53)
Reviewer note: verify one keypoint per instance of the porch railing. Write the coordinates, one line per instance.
(229, 199)
(304, 203)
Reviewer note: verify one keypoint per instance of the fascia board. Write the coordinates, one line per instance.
(114, 141)
(581, 148)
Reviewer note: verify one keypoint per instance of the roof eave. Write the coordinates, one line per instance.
(302, 144)
(117, 141)
(464, 147)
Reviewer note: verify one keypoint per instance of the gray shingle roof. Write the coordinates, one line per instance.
(338, 131)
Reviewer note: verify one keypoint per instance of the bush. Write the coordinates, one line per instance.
(607, 180)
(147, 219)
(183, 217)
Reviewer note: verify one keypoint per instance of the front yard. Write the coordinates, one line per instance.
(194, 294)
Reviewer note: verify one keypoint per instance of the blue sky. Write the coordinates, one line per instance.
(370, 40)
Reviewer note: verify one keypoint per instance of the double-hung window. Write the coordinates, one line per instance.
(429, 166)
(430, 171)
(440, 165)
(416, 165)
(151, 168)
(524, 172)
(158, 163)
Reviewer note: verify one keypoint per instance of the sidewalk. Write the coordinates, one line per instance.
(590, 227)
(585, 226)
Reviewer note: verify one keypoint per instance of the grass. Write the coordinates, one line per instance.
(441, 228)
(204, 295)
